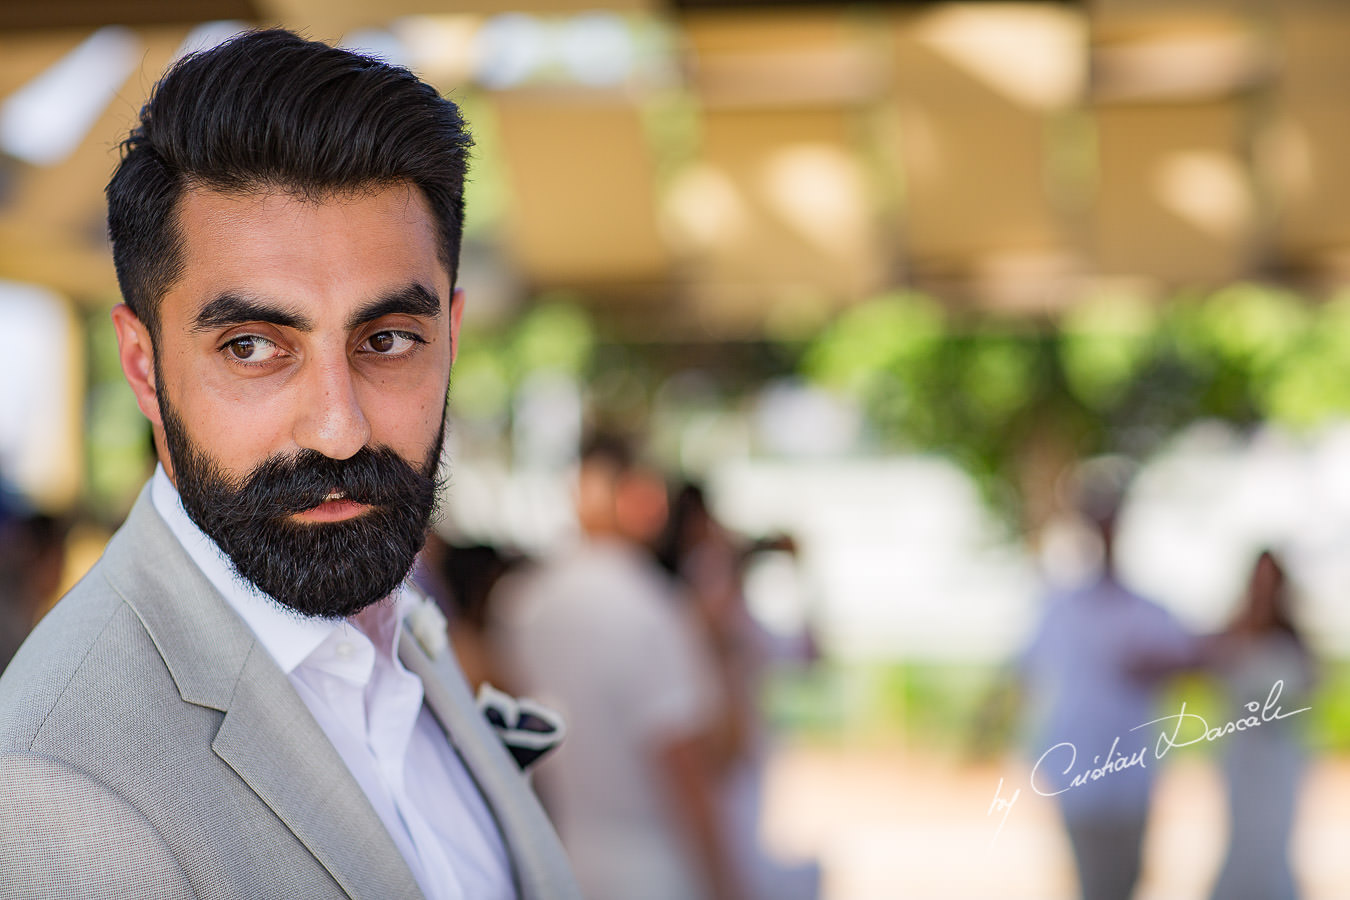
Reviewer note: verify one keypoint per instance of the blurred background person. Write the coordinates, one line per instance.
(1092, 673)
(32, 557)
(1263, 767)
(597, 633)
(461, 579)
(709, 563)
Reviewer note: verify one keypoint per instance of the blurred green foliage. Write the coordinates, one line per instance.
(921, 705)
(1115, 374)
(118, 452)
(486, 189)
(1328, 728)
(971, 710)
(556, 334)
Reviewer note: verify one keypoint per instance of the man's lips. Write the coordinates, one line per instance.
(336, 507)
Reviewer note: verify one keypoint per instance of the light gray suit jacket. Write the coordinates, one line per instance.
(151, 747)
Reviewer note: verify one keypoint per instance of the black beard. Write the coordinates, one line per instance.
(322, 569)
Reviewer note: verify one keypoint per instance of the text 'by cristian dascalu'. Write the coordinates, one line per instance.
(1179, 730)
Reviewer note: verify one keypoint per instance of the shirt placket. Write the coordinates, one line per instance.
(392, 724)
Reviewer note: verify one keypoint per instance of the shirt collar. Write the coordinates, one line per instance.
(287, 635)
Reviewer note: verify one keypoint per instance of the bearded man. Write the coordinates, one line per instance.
(230, 704)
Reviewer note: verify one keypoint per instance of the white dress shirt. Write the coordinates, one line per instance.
(349, 676)
(1081, 692)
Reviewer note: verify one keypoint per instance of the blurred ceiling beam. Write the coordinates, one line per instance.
(782, 59)
(1302, 156)
(1175, 198)
(777, 219)
(319, 18)
(1180, 62)
(983, 99)
(23, 15)
(53, 259)
(582, 212)
(27, 55)
(52, 225)
(1180, 98)
(328, 19)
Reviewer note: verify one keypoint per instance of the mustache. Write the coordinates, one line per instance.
(283, 485)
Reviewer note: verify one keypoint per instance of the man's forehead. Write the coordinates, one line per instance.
(301, 256)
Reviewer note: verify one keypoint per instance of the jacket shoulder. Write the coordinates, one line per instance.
(80, 634)
(52, 809)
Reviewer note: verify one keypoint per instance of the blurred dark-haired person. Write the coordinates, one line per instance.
(243, 698)
(597, 632)
(1261, 655)
(460, 578)
(709, 564)
(32, 557)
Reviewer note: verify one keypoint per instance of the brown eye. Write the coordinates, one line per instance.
(252, 349)
(391, 344)
(242, 348)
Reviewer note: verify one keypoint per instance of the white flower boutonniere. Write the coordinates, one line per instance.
(428, 625)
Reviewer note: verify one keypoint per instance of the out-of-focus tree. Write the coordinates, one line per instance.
(1016, 401)
(555, 336)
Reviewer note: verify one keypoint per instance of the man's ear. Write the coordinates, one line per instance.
(137, 355)
(456, 316)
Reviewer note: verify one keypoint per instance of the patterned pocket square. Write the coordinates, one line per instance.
(528, 729)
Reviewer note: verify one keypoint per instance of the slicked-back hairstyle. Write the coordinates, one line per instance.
(271, 112)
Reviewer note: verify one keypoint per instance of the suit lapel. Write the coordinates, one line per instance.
(541, 868)
(269, 738)
(268, 735)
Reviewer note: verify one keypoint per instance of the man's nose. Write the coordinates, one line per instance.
(330, 419)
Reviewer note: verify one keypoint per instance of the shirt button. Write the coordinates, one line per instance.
(345, 650)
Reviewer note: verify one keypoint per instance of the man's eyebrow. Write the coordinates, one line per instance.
(234, 309)
(412, 300)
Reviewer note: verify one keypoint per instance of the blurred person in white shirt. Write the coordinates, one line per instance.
(597, 633)
(1092, 673)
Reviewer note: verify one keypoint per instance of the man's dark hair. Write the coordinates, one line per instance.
(268, 111)
(609, 448)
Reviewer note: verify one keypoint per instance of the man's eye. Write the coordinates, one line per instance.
(251, 348)
(392, 343)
